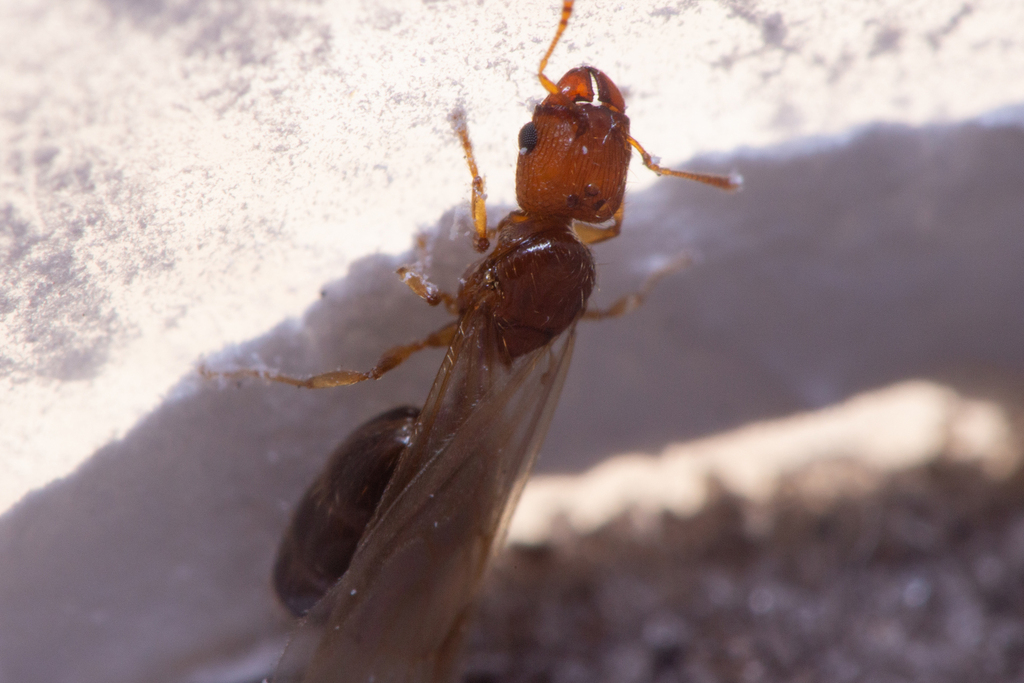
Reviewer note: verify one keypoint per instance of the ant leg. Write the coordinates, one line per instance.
(590, 234)
(631, 302)
(414, 279)
(733, 181)
(390, 359)
(427, 290)
(477, 199)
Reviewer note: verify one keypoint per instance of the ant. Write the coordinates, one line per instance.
(387, 548)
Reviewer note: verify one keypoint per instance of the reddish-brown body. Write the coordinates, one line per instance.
(533, 286)
(408, 511)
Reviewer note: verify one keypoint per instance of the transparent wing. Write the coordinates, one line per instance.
(399, 612)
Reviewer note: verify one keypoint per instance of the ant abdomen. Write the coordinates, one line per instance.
(332, 515)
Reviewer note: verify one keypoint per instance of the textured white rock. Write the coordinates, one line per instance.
(179, 176)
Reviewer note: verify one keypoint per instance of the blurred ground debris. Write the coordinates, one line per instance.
(916, 575)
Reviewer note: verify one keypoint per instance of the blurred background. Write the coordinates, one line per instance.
(235, 183)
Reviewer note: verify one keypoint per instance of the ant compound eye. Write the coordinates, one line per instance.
(527, 138)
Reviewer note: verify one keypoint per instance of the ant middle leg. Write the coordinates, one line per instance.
(634, 300)
(415, 280)
(427, 290)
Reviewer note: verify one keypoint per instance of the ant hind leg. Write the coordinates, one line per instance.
(389, 360)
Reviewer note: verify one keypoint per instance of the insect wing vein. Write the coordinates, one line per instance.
(398, 613)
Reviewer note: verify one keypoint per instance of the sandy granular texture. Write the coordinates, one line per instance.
(915, 577)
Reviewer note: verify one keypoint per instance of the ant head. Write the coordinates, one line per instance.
(574, 154)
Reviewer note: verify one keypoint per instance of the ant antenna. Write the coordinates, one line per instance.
(548, 84)
(733, 181)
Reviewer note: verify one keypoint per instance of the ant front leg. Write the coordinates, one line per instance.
(477, 201)
(634, 300)
(591, 234)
